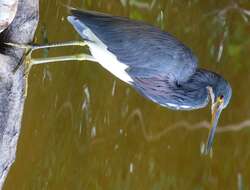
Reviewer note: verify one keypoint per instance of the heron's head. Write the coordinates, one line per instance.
(220, 95)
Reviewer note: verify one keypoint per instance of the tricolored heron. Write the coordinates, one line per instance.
(155, 63)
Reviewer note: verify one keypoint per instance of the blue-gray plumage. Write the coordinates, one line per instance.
(155, 63)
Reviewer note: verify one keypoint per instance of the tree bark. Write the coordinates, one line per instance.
(8, 10)
(12, 84)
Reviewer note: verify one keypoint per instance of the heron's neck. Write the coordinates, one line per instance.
(206, 78)
(202, 84)
(196, 89)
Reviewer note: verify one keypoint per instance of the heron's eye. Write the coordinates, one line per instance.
(220, 99)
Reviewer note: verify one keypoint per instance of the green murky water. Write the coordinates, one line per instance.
(84, 129)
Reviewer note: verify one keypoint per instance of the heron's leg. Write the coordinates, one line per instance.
(30, 62)
(77, 57)
(30, 48)
(60, 44)
(44, 46)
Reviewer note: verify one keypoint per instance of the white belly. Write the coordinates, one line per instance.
(106, 59)
(109, 61)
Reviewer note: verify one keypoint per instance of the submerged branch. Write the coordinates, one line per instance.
(185, 125)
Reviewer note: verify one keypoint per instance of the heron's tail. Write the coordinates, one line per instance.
(79, 26)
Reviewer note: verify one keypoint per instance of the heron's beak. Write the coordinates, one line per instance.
(217, 107)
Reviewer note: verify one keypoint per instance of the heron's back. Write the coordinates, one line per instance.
(138, 45)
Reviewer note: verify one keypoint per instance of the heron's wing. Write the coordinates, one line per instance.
(138, 45)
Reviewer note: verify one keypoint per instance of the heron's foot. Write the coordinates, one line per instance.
(27, 64)
(27, 67)
(25, 59)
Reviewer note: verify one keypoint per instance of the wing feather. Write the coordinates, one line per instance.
(139, 45)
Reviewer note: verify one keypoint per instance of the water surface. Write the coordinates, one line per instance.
(85, 129)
